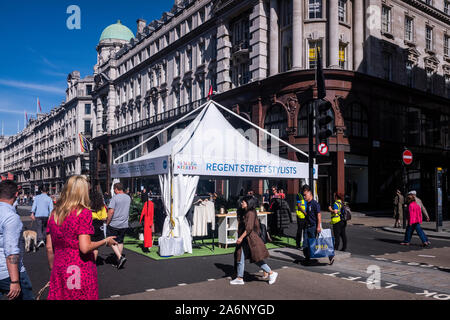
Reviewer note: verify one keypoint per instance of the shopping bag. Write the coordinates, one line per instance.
(170, 246)
(322, 246)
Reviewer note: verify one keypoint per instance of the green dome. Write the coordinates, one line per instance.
(117, 31)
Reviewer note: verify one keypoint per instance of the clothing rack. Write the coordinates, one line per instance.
(213, 232)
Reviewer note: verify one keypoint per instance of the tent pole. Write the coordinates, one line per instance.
(162, 130)
(263, 130)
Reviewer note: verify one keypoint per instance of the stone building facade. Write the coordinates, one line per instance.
(259, 56)
(48, 150)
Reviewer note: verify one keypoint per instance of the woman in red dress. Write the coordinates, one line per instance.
(69, 247)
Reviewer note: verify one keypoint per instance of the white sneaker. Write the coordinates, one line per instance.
(237, 282)
(273, 277)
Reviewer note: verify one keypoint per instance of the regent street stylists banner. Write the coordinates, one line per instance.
(142, 168)
(215, 167)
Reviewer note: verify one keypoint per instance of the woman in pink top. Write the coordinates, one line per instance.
(414, 221)
(69, 247)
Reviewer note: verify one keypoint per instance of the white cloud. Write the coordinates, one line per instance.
(32, 86)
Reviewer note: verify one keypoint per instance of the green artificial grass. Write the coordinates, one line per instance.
(203, 250)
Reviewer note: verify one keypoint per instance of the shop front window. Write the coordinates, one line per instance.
(355, 118)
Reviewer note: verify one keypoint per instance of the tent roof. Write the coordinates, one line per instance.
(210, 145)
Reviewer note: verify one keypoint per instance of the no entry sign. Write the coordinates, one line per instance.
(322, 148)
(407, 157)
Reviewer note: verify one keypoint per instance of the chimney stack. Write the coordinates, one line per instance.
(141, 23)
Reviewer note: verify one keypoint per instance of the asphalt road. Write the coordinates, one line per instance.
(141, 273)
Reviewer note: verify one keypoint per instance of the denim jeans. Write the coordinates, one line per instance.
(410, 230)
(241, 265)
(26, 292)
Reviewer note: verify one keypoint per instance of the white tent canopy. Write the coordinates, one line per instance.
(208, 146)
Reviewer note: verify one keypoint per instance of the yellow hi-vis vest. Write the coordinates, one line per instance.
(302, 204)
(335, 217)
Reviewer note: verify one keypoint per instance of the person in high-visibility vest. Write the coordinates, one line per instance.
(301, 221)
(337, 222)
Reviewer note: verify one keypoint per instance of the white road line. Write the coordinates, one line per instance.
(426, 256)
(285, 267)
(115, 296)
(211, 279)
(182, 284)
(150, 290)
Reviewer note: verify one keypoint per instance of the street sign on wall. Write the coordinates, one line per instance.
(407, 157)
(438, 199)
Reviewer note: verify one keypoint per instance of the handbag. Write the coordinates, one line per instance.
(322, 245)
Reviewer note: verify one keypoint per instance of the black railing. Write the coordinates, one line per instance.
(163, 117)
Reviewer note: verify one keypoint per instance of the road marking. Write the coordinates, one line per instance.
(285, 267)
(150, 290)
(115, 296)
(331, 274)
(426, 265)
(182, 284)
(211, 279)
(397, 261)
(426, 256)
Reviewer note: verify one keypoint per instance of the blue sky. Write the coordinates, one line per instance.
(38, 51)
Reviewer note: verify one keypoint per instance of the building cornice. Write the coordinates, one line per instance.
(432, 11)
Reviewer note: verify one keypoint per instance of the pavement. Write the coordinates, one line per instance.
(291, 284)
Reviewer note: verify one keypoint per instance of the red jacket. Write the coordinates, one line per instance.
(147, 214)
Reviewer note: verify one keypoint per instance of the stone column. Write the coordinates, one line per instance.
(333, 40)
(99, 114)
(274, 38)
(258, 42)
(110, 125)
(297, 34)
(223, 57)
(358, 35)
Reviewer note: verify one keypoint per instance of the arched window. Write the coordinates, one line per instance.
(355, 119)
(276, 119)
(302, 121)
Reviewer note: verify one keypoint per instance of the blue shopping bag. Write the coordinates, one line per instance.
(322, 246)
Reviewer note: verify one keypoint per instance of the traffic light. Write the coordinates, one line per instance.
(324, 120)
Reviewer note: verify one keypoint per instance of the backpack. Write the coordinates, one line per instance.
(346, 213)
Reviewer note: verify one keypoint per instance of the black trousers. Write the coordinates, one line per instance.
(339, 232)
(301, 225)
(41, 228)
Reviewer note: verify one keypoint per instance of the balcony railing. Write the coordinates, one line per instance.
(166, 116)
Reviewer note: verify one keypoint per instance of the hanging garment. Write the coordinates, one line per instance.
(200, 221)
(210, 214)
(147, 214)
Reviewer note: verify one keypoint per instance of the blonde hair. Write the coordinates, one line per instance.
(74, 196)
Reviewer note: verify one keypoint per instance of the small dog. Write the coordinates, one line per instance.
(30, 237)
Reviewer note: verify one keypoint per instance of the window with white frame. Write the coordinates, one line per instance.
(176, 66)
(429, 80)
(409, 29)
(386, 19)
(315, 9)
(446, 45)
(313, 47)
(410, 74)
(188, 60)
(429, 38)
(342, 10)
(446, 6)
(343, 55)
(201, 16)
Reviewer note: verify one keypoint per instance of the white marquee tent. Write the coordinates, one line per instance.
(208, 146)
